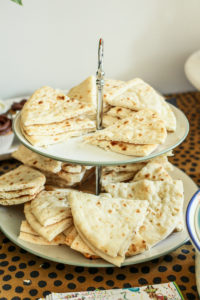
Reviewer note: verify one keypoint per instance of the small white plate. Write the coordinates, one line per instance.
(76, 151)
(11, 217)
(6, 154)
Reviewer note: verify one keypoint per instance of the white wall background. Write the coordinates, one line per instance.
(54, 42)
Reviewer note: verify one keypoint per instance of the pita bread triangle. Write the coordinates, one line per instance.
(139, 96)
(85, 91)
(47, 105)
(105, 224)
(143, 127)
(163, 214)
(153, 171)
(20, 178)
(113, 88)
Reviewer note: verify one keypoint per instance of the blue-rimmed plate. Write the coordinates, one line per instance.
(193, 220)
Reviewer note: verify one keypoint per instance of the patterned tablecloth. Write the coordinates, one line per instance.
(25, 276)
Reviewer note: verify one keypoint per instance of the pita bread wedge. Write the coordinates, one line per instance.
(113, 176)
(44, 140)
(81, 247)
(68, 125)
(139, 96)
(109, 120)
(50, 207)
(153, 171)
(71, 178)
(120, 112)
(20, 178)
(71, 168)
(35, 160)
(113, 88)
(15, 194)
(164, 211)
(48, 232)
(106, 225)
(85, 91)
(143, 127)
(70, 236)
(29, 235)
(121, 147)
(47, 105)
(20, 199)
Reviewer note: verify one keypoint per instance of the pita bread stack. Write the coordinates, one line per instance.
(105, 224)
(164, 212)
(51, 117)
(138, 135)
(123, 173)
(57, 173)
(20, 185)
(49, 214)
(138, 96)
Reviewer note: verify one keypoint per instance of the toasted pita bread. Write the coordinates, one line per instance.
(48, 232)
(37, 161)
(15, 194)
(139, 96)
(113, 176)
(109, 223)
(20, 178)
(71, 168)
(85, 91)
(47, 106)
(153, 171)
(113, 88)
(143, 127)
(109, 120)
(29, 235)
(72, 178)
(20, 199)
(68, 125)
(70, 236)
(50, 207)
(120, 112)
(81, 247)
(121, 147)
(164, 211)
(44, 140)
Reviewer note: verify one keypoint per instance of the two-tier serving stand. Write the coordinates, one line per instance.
(75, 151)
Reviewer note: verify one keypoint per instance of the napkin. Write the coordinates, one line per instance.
(163, 291)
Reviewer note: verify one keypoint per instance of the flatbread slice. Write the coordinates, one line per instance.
(164, 211)
(71, 168)
(15, 194)
(48, 232)
(153, 171)
(47, 105)
(20, 178)
(50, 207)
(70, 236)
(121, 147)
(113, 88)
(29, 235)
(85, 91)
(106, 224)
(44, 140)
(81, 247)
(74, 124)
(113, 176)
(120, 112)
(20, 199)
(139, 96)
(72, 178)
(143, 127)
(35, 160)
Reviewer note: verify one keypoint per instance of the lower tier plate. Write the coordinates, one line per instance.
(11, 217)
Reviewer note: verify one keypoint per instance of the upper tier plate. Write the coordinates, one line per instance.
(76, 151)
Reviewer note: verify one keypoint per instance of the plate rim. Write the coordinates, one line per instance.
(189, 224)
(105, 265)
(103, 163)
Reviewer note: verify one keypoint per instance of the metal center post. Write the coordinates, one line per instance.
(100, 84)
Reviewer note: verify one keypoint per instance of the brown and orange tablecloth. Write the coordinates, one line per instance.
(25, 276)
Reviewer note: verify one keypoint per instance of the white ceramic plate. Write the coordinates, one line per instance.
(10, 219)
(76, 151)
